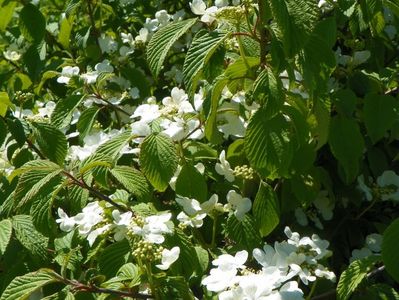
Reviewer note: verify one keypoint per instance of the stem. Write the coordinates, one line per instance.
(242, 52)
(262, 32)
(94, 192)
(366, 209)
(150, 281)
(312, 290)
(213, 242)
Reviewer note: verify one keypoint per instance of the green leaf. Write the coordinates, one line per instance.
(3, 131)
(191, 183)
(318, 58)
(390, 249)
(158, 159)
(346, 144)
(163, 40)
(5, 103)
(345, 102)
(32, 23)
(5, 234)
(86, 121)
(17, 131)
(133, 181)
(34, 184)
(63, 111)
(380, 113)
(269, 144)
(295, 19)
(382, 291)
(65, 31)
(354, 275)
(267, 91)
(27, 235)
(113, 257)
(6, 13)
(201, 50)
(244, 232)
(52, 142)
(266, 209)
(22, 287)
(174, 287)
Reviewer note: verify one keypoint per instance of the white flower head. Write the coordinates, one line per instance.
(238, 204)
(168, 258)
(66, 223)
(154, 228)
(67, 73)
(223, 168)
(389, 180)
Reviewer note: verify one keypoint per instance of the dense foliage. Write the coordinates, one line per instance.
(209, 150)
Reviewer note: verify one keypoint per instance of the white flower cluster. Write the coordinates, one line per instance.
(372, 247)
(93, 222)
(297, 256)
(386, 187)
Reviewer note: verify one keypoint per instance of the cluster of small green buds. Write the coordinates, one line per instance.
(231, 14)
(182, 226)
(147, 251)
(22, 97)
(244, 171)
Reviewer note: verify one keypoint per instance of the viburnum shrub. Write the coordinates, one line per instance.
(199, 150)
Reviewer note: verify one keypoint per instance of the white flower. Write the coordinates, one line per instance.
(324, 205)
(198, 7)
(66, 223)
(178, 102)
(238, 204)
(360, 253)
(90, 216)
(67, 73)
(389, 180)
(234, 125)
(228, 262)
(154, 228)
(104, 66)
(168, 258)
(190, 206)
(92, 236)
(134, 93)
(364, 188)
(223, 168)
(147, 112)
(107, 44)
(122, 222)
(163, 17)
(221, 3)
(12, 53)
(195, 221)
(47, 110)
(374, 242)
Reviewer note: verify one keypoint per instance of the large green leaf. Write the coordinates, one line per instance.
(34, 184)
(133, 181)
(379, 115)
(346, 143)
(266, 209)
(201, 50)
(63, 111)
(191, 183)
(158, 159)
(354, 275)
(22, 287)
(52, 142)
(6, 13)
(268, 91)
(86, 121)
(27, 235)
(5, 103)
(113, 257)
(390, 249)
(269, 144)
(295, 20)
(32, 23)
(5, 234)
(244, 232)
(163, 40)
